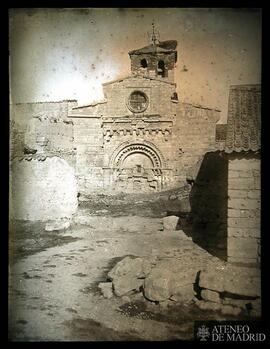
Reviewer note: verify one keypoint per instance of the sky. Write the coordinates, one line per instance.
(58, 54)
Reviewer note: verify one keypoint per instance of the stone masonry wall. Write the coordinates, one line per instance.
(42, 160)
(244, 210)
(48, 128)
(88, 141)
(42, 127)
(158, 92)
(193, 137)
(152, 64)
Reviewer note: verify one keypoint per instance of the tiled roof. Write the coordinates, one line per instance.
(221, 130)
(162, 46)
(244, 119)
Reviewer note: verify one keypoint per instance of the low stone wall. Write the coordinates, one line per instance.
(230, 289)
(244, 210)
(42, 188)
(218, 286)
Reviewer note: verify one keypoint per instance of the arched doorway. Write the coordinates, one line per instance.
(137, 168)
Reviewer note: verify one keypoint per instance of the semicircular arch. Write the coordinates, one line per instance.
(128, 148)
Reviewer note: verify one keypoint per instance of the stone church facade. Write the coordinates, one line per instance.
(139, 139)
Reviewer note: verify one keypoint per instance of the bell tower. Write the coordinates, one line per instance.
(156, 60)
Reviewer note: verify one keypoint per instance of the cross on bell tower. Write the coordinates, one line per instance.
(154, 35)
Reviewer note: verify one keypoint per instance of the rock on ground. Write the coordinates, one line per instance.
(183, 294)
(106, 289)
(126, 285)
(128, 275)
(131, 267)
(57, 225)
(157, 287)
(170, 278)
(170, 222)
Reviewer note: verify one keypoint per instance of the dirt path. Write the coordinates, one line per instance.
(53, 282)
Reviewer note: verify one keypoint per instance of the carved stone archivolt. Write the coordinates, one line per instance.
(137, 167)
(127, 148)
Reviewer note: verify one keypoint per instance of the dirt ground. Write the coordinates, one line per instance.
(54, 276)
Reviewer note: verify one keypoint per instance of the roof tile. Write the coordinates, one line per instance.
(244, 119)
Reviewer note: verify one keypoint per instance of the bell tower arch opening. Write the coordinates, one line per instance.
(144, 63)
(161, 69)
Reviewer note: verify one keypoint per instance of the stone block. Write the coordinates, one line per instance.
(230, 310)
(170, 222)
(257, 183)
(246, 174)
(242, 213)
(243, 232)
(244, 223)
(236, 193)
(209, 295)
(234, 174)
(206, 305)
(240, 303)
(238, 280)
(241, 183)
(254, 194)
(242, 247)
(243, 204)
(244, 164)
(243, 260)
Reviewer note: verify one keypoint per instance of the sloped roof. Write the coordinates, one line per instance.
(221, 130)
(162, 47)
(137, 76)
(244, 119)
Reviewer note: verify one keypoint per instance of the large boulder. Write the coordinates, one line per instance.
(126, 285)
(170, 278)
(157, 287)
(128, 275)
(131, 267)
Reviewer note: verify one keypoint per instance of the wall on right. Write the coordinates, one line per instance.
(244, 202)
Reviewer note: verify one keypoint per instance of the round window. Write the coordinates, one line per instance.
(137, 102)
